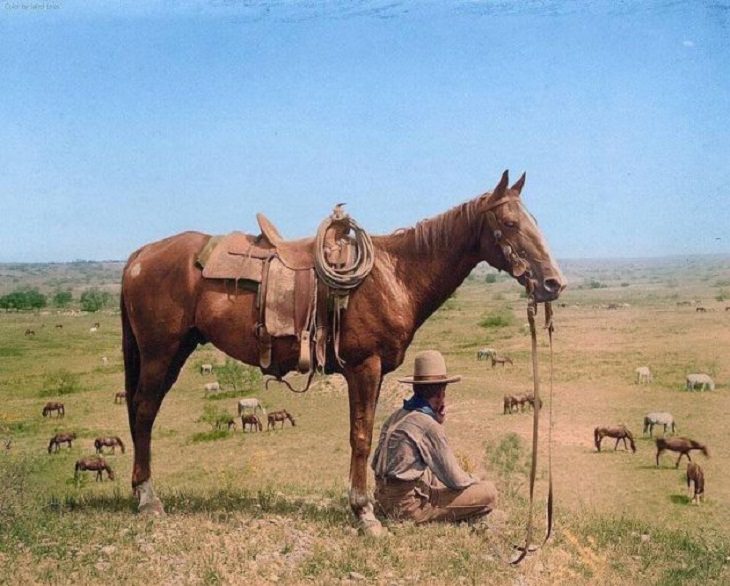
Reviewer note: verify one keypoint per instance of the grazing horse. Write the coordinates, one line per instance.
(228, 421)
(682, 445)
(659, 418)
(51, 406)
(168, 309)
(252, 421)
(643, 375)
(498, 359)
(251, 403)
(701, 380)
(120, 397)
(29, 332)
(110, 442)
(484, 353)
(511, 402)
(282, 416)
(620, 432)
(697, 476)
(94, 464)
(209, 388)
(60, 438)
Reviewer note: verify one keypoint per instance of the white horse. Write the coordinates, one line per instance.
(251, 403)
(206, 369)
(212, 387)
(643, 375)
(659, 418)
(485, 353)
(701, 380)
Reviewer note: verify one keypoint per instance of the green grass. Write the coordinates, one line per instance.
(273, 505)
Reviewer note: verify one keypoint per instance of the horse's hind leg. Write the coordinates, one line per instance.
(618, 439)
(363, 382)
(157, 375)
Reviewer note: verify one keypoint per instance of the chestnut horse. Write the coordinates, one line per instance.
(620, 433)
(94, 464)
(697, 476)
(168, 309)
(110, 442)
(281, 415)
(51, 406)
(60, 438)
(682, 445)
(252, 421)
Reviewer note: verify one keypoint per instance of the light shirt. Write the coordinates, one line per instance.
(411, 443)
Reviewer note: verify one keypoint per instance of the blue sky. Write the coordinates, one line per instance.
(121, 124)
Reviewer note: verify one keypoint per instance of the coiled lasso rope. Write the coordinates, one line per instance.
(347, 277)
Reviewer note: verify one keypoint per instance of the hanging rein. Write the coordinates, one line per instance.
(520, 267)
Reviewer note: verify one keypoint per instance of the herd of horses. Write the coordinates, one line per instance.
(682, 445)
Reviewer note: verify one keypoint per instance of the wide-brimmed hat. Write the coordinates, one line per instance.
(429, 367)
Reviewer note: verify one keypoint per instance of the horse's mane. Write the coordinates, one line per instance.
(436, 233)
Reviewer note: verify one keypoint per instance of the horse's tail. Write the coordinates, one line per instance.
(50, 444)
(132, 365)
(97, 445)
(120, 442)
(45, 411)
(596, 436)
(76, 470)
(240, 410)
(661, 443)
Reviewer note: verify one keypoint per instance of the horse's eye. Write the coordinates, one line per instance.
(510, 224)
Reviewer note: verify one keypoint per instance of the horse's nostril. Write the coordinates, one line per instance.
(552, 285)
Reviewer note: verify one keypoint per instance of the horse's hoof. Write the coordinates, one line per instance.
(152, 507)
(372, 528)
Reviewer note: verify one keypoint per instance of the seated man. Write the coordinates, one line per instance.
(417, 476)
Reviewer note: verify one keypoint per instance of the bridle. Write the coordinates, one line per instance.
(520, 266)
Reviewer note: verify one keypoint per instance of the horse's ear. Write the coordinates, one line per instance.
(501, 188)
(519, 184)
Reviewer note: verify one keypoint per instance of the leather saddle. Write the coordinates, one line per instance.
(282, 272)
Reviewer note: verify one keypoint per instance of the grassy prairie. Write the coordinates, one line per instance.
(272, 506)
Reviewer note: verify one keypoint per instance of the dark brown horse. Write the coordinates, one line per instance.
(281, 415)
(60, 438)
(168, 309)
(620, 433)
(682, 445)
(51, 407)
(94, 464)
(252, 421)
(110, 442)
(697, 476)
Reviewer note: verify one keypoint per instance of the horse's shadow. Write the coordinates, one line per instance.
(679, 499)
(329, 508)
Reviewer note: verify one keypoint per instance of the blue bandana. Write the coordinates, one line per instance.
(416, 403)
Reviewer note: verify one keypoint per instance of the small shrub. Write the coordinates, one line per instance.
(491, 278)
(214, 416)
(238, 375)
(500, 320)
(60, 382)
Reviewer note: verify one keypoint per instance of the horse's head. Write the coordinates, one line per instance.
(291, 419)
(109, 471)
(512, 242)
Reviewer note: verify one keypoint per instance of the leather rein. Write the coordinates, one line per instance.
(520, 267)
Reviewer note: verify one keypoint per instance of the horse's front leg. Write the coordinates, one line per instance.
(363, 382)
(616, 446)
(680, 457)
